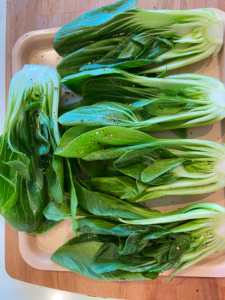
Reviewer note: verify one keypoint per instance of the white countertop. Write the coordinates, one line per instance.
(12, 289)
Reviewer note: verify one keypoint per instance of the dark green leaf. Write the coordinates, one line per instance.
(114, 53)
(130, 245)
(103, 114)
(120, 186)
(21, 168)
(122, 63)
(87, 55)
(165, 178)
(158, 47)
(94, 168)
(159, 167)
(75, 82)
(162, 75)
(77, 254)
(73, 146)
(108, 259)
(150, 275)
(102, 226)
(27, 213)
(158, 252)
(123, 152)
(121, 91)
(45, 227)
(104, 205)
(181, 132)
(131, 50)
(54, 176)
(89, 27)
(165, 106)
(134, 163)
(58, 211)
(179, 247)
(62, 211)
(72, 191)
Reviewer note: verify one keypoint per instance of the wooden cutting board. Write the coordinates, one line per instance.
(28, 15)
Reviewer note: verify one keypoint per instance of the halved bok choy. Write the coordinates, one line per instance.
(203, 222)
(164, 166)
(149, 104)
(118, 36)
(121, 249)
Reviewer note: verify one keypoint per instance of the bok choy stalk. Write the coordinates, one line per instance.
(183, 37)
(173, 102)
(142, 249)
(168, 167)
(30, 132)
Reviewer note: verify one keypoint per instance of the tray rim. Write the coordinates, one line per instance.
(26, 40)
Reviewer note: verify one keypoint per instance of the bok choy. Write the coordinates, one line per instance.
(118, 36)
(142, 249)
(173, 102)
(165, 167)
(29, 138)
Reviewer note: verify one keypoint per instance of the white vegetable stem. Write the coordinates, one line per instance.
(220, 165)
(220, 230)
(214, 32)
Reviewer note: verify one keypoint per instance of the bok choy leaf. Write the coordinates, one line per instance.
(91, 26)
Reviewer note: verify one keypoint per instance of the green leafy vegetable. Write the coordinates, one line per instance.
(40, 152)
(183, 37)
(205, 224)
(189, 167)
(146, 247)
(26, 143)
(31, 175)
(173, 102)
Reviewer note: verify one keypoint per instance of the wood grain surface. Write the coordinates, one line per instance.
(28, 15)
